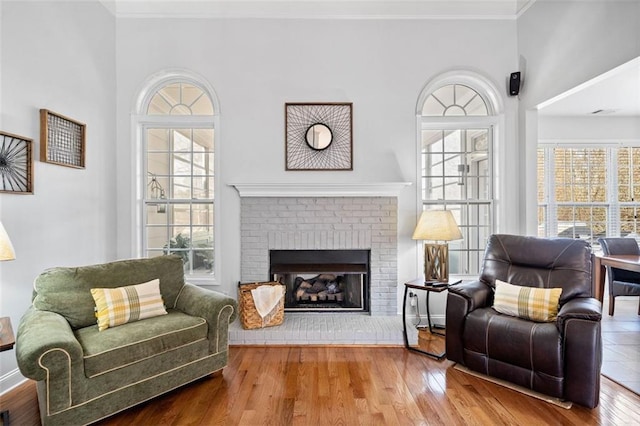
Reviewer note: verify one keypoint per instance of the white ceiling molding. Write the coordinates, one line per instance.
(319, 9)
(615, 91)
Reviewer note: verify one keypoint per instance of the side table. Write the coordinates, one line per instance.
(7, 341)
(419, 284)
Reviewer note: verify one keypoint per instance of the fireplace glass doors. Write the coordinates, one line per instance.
(322, 280)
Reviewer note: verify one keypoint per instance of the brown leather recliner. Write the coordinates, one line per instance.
(561, 359)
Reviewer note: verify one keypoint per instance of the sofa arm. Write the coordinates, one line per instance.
(218, 309)
(47, 349)
(581, 332)
(462, 299)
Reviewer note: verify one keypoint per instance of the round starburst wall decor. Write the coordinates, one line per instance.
(16, 164)
(318, 136)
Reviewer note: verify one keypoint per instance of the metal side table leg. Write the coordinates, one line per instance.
(404, 328)
(4, 416)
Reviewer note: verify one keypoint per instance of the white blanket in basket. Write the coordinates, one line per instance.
(266, 298)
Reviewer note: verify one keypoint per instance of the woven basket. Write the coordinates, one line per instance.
(249, 316)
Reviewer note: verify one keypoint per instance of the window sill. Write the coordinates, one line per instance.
(201, 280)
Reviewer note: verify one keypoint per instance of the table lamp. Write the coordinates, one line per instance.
(436, 225)
(6, 248)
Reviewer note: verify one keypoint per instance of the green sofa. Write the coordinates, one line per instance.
(83, 374)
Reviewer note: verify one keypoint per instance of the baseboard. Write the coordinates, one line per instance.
(10, 380)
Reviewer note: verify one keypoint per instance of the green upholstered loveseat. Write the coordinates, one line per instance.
(83, 374)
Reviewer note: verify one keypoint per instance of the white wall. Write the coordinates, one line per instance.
(256, 65)
(563, 44)
(59, 56)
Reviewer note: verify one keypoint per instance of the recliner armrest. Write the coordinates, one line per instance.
(586, 308)
(477, 294)
(579, 323)
(462, 299)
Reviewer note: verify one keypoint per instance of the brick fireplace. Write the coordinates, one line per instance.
(292, 221)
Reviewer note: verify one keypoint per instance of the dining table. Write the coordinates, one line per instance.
(629, 262)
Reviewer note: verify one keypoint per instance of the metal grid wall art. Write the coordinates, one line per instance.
(16, 164)
(62, 140)
(336, 153)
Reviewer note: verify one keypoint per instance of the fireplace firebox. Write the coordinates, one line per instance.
(322, 280)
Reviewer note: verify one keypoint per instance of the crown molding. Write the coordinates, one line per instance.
(320, 9)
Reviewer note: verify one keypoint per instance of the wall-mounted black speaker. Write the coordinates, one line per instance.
(514, 83)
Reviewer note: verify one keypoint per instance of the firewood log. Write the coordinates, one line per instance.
(317, 287)
(305, 285)
(326, 277)
(299, 294)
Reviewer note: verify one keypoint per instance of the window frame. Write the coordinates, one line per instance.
(550, 205)
(141, 123)
(488, 123)
(494, 120)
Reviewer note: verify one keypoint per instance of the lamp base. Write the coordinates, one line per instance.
(436, 262)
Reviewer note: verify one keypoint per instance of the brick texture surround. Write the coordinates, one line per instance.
(324, 223)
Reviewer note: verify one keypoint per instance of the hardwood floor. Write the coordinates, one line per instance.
(335, 385)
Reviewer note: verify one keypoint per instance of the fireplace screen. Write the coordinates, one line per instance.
(321, 280)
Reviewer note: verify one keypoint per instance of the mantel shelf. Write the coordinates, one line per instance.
(369, 189)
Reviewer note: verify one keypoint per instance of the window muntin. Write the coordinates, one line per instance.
(580, 175)
(180, 99)
(456, 175)
(179, 155)
(454, 100)
(579, 197)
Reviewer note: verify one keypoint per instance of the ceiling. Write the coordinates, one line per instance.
(363, 9)
(615, 93)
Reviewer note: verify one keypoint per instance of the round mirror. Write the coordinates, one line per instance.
(319, 136)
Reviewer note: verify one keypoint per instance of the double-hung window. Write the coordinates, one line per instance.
(456, 165)
(178, 175)
(588, 192)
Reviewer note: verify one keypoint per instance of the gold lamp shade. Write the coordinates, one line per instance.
(6, 248)
(436, 225)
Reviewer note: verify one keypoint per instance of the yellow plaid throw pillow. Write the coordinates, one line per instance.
(117, 306)
(535, 304)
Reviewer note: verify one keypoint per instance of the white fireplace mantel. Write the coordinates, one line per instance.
(369, 189)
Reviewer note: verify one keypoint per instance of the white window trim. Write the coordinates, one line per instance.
(495, 120)
(140, 122)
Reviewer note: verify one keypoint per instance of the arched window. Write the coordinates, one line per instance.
(454, 100)
(180, 99)
(456, 162)
(177, 140)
